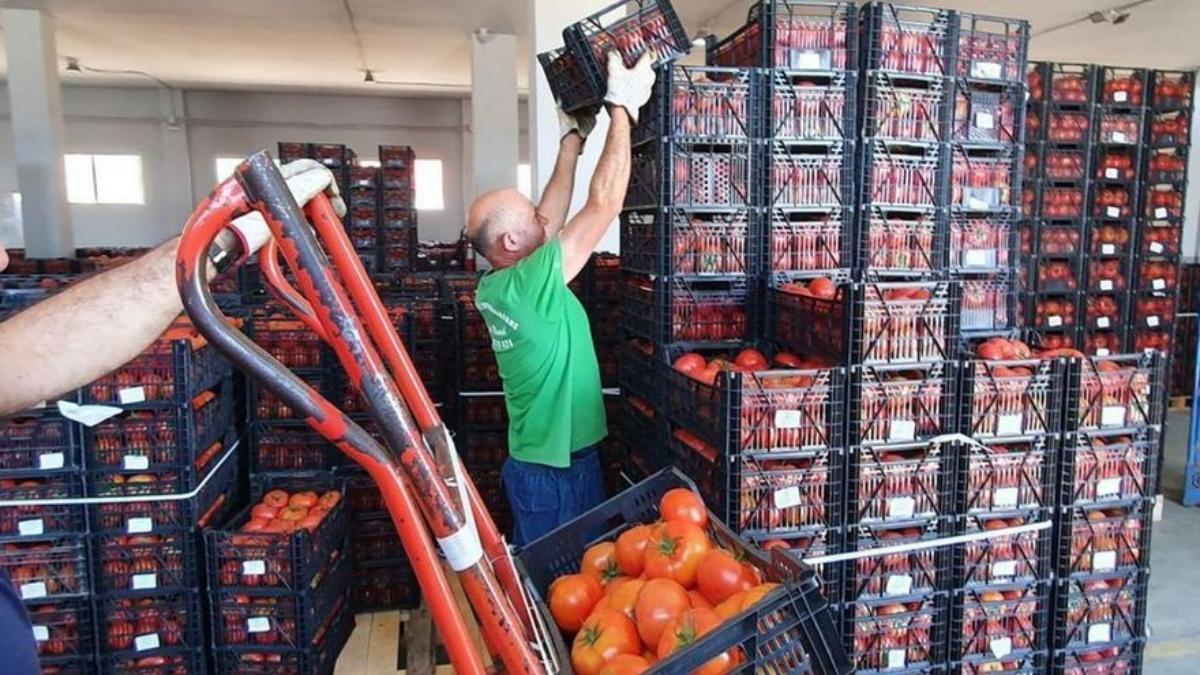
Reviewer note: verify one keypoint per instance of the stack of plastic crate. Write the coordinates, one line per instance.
(362, 221)
(986, 94)
(1106, 484)
(278, 599)
(167, 463)
(338, 158)
(397, 208)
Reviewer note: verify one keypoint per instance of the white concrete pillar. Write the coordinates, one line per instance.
(547, 18)
(177, 161)
(35, 101)
(494, 130)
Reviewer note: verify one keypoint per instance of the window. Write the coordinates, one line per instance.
(104, 179)
(525, 180)
(225, 166)
(428, 182)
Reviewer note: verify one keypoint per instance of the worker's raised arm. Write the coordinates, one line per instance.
(556, 196)
(101, 323)
(628, 91)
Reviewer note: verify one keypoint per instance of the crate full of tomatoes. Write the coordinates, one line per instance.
(698, 103)
(912, 403)
(285, 539)
(1009, 390)
(693, 311)
(319, 656)
(23, 522)
(1103, 470)
(1006, 475)
(669, 242)
(793, 35)
(41, 442)
(907, 40)
(1114, 393)
(146, 564)
(649, 579)
(154, 630)
(65, 637)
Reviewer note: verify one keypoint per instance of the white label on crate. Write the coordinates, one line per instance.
(1004, 569)
(51, 460)
(1102, 322)
(142, 643)
(985, 120)
(136, 463)
(1108, 249)
(1156, 247)
(1010, 424)
(1119, 137)
(977, 257)
(1005, 498)
(896, 658)
(131, 395)
(1161, 212)
(258, 624)
(991, 70)
(41, 633)
(1102, 352)
(1152, 321)
(901, 507)
(33, 590)
(139, 525)
(787, 419)
(1104, 561)
(140, 582)
(1106, 284)
(1054, 321)
(809, 60)
(1108, 488)
(1120, 96)
(1001, 647)
(788, 497)
(1112, 212)
(898, 584)
(902, 430)
(1158, 284)
(1112, 416)
(977, 204)
(31, 528)
(1110, 172)
(1101, 632)
(254, 568)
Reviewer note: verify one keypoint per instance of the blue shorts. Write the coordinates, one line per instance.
(544, 497)
(17, 646)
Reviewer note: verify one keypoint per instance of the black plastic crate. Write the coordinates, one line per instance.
(689, 311)
(815, 179)
(900, 576)
(483, 449)
(384, 586)
(1109, 610)
(275, 448)
(1104, 314)
(789, 35)
(141, 565)
(700, 104)
(696, 177)
(991, 49)
(1114, 393)
(901, 111)
(1156, 276)
(48, 569)
(1105, 471)
(1054, 273)
(1006, 478)
(987, 117)
(989, 305)
(985, 182)
(1007, 627)
(642, 431)
(288, 340)
(1063, 84)
(1120, 127)
(318, 658)
(897, 637)
(1056, 204)
(1002, 561)
(42, 442)
(1166, 165)
(1065, 127)
(290, 152)
(1124, 657)
(162, 625)
(215, 498)
(642, 372)
(912, 41)
(791, 628)
(1163, 203)
(800, 113)
(278, 616)
(901, 244)
(1171, 90)
(19, 523)
(483, 412)
(65, 637)
(1153, 310)
(1100, 541)
(667, 242)
(166, 661)
(900, 484)
(1052, 164)
(476, 370)
(803, 243)
(1012, 398)
(169, 373)
(913, 180)
(1124, 87)
(1171, 129)
(177, 439)
(1051, 314)
(252, 560)
(568, 83)
(374, 540)
(870, 322)
(1110, 239)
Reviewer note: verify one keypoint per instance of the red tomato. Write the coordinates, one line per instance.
(626, 664)
(721, 575)
(276, 498)
(263, 512)
(689, 628)
(787, 360)
(631, 549)
(572, 598)
(660, 602)
(293, 513)
(622, 595)
(605, 635)
(305, 499)
(675, 552)
(751, 359)
(600, 561)
(683, 504)
(698, 601)
(689, 363)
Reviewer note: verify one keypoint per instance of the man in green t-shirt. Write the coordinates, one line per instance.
(540, 333)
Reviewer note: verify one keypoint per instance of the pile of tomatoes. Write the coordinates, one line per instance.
(282, 513)
(49, 519)
(1068, 88)
(167, 619)
(1062, 202)
(1172, 129)
(655, 591)
(1128, 90)
(1172, 90)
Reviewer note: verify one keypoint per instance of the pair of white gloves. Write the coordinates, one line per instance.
(628, 88)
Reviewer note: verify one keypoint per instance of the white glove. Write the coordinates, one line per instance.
(306, 178)
(630, 88)
(579, 123)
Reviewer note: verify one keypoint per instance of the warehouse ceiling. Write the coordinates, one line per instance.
(422, 46)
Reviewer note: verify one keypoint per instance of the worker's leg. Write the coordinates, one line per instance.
(587, 482)
(17, 645)
(535, 496)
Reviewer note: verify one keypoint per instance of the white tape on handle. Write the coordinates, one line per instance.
(462, 548)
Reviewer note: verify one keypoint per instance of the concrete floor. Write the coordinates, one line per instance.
(1174, 646)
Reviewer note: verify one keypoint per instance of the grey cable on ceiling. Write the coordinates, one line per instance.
(1088, 17)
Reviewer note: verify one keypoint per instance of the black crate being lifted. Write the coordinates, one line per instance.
(802, 37)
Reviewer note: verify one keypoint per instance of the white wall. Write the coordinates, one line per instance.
(229, 123)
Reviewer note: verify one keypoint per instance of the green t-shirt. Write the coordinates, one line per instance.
(543, 345)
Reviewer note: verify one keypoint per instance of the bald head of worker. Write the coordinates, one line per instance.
(505, 226)
(3, 259)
